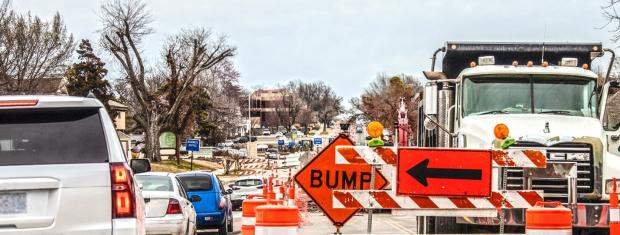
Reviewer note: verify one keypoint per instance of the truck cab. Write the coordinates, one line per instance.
(549, 98)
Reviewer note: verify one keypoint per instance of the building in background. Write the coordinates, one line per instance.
(121, 124)
(267, 108)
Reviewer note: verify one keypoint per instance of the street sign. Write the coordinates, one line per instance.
(444, 172)
(318, 141)
(280, 142)
(192, 145)
(291, 144)
(321, 175)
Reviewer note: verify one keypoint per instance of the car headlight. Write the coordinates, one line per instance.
(609, 186)
(578, 156)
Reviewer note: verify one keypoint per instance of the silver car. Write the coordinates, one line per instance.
(63, 170)
(168, 210)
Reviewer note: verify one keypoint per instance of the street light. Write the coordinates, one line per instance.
(249, 122)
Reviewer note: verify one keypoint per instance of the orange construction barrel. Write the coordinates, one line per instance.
(248, 214)
(276, 220)
(548, 218)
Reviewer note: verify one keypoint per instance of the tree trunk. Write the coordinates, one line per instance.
(177, 148)
(151, 142)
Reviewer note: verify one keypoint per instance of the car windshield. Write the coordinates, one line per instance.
(248, 182)
(155, 183)
(517, 94)
(196, 182)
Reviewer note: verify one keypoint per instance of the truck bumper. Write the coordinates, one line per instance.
(587, 215)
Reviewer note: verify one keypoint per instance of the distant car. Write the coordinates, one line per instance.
(244, 187)
(63, 171)
(272, 153)
(228, 144)
(168, 210)
(266, 132)
(210, 200)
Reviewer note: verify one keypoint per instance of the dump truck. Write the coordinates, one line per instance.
(549, 98)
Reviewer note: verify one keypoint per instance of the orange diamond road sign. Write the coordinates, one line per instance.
(321, 175)
(444, 172)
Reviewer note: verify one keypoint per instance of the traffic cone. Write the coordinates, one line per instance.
(614, 212)
(291, 195)
(553, 220)
(248, 214)
(276, 220)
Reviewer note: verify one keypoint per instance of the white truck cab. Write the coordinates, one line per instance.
(548, 98)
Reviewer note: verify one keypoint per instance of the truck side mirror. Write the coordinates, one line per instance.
(140, 165)
(430, 99)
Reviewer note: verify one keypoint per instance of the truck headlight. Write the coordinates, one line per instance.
(609, 186)
(578, 156)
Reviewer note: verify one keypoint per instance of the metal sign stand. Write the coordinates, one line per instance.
(337, 230)
(191, 161)
(372, 186)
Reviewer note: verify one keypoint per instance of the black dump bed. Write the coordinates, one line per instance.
(459, 55)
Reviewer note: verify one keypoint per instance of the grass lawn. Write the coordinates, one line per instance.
(171, 166)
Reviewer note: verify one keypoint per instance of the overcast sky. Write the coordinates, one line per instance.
(344, 43)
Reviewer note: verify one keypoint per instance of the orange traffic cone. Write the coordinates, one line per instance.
(555, 219)
(248, 215)
(276, 220)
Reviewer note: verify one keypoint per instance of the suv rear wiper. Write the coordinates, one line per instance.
(493, 112)
(561, 112)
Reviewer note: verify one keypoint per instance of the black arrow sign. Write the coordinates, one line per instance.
(421, 172)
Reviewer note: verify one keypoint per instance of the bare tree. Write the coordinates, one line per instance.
(613, 19)
(31, 52)
(187, 55)
(380, 101)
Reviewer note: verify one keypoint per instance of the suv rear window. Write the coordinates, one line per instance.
(51, 136)
(249, 182)
(196, 183)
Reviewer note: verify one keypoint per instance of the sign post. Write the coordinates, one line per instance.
(192, 145)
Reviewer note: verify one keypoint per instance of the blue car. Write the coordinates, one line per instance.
(211, 201)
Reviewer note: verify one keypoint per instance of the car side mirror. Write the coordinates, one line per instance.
(195, 198)
(229, 191)
(140, 165)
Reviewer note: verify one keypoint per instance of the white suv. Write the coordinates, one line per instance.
(244, 187)
(63, 170)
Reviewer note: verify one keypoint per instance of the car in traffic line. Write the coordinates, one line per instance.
(210, 200)
(63, 170)
(243, 187)
(168, 210)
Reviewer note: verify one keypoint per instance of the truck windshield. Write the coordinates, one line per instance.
(559, 95)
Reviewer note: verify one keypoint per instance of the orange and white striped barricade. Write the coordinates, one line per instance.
(524, 158)
(436, 205)
(276, 220)
(553, 220)
(248, 214)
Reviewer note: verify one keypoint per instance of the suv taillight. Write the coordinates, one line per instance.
(173, 207)
(123, 198)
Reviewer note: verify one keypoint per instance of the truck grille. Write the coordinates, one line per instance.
(557, 189)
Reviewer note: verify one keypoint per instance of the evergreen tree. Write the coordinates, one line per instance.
(88, 76)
